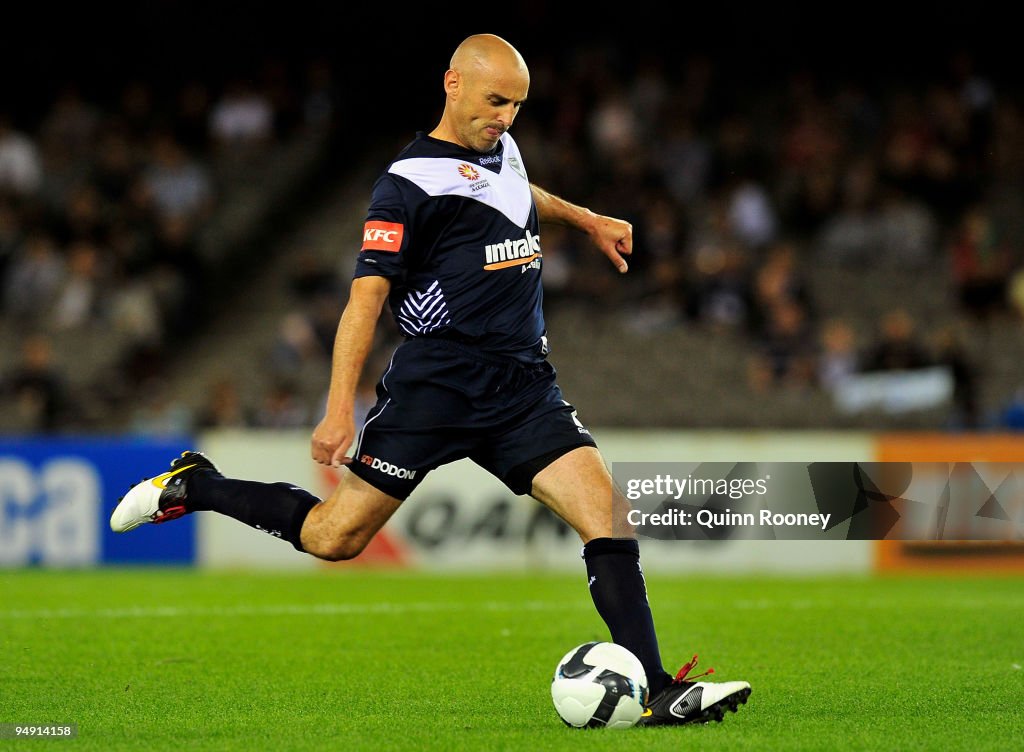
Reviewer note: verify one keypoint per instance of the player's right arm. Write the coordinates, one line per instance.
(335, 433)
(382, 261)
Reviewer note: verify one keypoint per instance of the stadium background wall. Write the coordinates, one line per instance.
(56, 496)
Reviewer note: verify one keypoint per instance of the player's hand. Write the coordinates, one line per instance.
(614, 237)
(332, 438)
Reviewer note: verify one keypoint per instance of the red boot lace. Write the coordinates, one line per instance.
(687, 668)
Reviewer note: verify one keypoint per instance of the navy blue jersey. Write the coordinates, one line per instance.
(456, 233)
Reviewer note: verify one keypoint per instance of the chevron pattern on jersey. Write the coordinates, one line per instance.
(423, 311)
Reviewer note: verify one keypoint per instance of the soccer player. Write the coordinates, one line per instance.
(452, 242)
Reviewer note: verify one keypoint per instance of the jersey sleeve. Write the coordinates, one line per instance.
(387, 232)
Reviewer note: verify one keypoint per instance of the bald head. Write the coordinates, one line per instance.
(485, 85)
(482, 52)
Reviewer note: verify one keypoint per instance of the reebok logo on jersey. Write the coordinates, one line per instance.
(383, 236)
(512, 252)
(386, 467)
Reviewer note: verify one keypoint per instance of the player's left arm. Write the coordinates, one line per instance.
(614, 237)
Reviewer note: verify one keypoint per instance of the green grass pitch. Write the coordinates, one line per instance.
(175, 659)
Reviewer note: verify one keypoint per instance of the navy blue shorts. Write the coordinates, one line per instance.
(440, 401)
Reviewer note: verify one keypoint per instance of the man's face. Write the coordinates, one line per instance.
(484, 102)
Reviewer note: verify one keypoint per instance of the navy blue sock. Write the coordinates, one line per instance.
(278, 509)
(620, 595)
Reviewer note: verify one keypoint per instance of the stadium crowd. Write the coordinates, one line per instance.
(737, 195)
(103, 205)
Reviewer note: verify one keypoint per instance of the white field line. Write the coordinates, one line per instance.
(399, 609)
(314, 609)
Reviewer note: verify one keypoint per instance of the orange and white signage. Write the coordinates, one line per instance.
(383, 236)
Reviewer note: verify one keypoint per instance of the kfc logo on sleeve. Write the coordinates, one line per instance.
(382, 236)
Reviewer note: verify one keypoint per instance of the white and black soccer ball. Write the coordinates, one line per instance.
(599, 684)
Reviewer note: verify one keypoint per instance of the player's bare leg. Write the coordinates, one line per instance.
(579, 489)
(340, 527)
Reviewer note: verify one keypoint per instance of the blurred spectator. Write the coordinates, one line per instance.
(366, 389)
(784, 354)
(83, 216)
(282, 408)
(10, 238)
(178, 273)
(324, 312)
(811, 170)
(191, 128)
(908, 233)
(115, 170)
(36, 388)
(751, 215)
(242, 117)
(904, 146)
(78, 300)
(319, 105)
(778, 280)
(131, 248)
(558, 277)
(281, 98)
(662, 236)
(718, 293)
(853, 235)
(20, 168)
(62, 173)
(1016, 292)
(839, 359)
(1006, 154)
(160, 414)
(686, 161)
(810, 197)
(135, 314)
(613, 124)
(296, 344)
(224, 408)
(949, 351)
(945, 187)
(71, 122)
(177, 185)
(34, 275)
(649, 92)
(814, 139)
(859, 114)
(981, 265)
(737, 155)
(137, 110)
(897, 347)
(978, 96)
(313, 277)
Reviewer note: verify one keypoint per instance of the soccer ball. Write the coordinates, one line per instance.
(599, 684)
